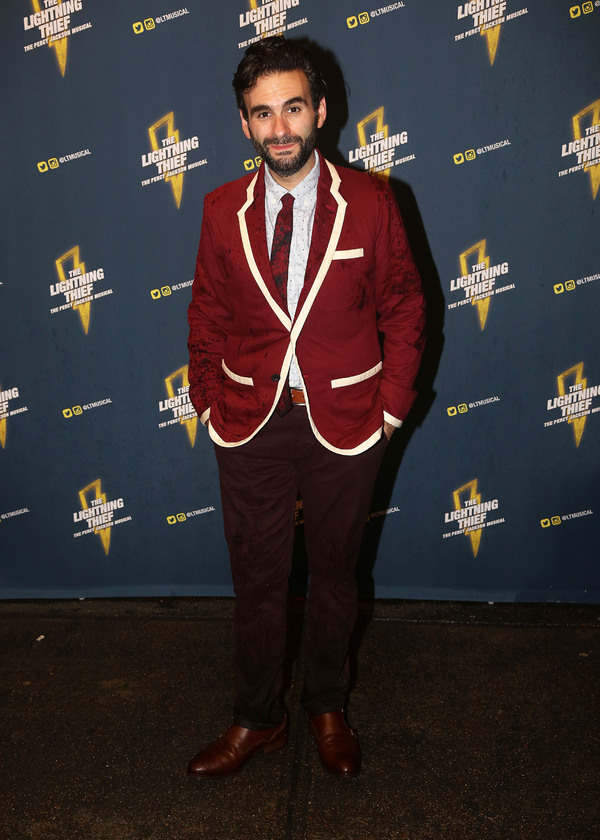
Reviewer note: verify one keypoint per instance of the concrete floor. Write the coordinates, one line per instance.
(477, 721)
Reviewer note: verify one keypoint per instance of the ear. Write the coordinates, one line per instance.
(245, 128)
(321, 112)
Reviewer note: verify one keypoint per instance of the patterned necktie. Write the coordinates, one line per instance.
(280, 259)
(280, 249)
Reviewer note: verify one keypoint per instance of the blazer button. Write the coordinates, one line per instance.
(276, 377)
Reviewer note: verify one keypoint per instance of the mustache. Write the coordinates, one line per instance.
(282, 141)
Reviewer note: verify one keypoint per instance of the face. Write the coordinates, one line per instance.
(282, 124)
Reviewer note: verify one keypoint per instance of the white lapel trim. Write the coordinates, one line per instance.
(283, 316)
(329, 253)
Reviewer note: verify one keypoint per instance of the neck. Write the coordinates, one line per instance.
(291, 181)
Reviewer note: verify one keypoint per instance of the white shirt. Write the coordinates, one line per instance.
(305, 202)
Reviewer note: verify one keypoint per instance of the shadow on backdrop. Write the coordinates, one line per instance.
(329, 143)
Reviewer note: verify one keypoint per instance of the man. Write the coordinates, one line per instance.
(300, 268)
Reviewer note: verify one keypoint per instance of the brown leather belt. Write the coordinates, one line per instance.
(298, 397)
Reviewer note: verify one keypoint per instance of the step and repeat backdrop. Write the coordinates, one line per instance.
(484, 117)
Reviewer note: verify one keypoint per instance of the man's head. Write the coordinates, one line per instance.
(276, 55)
(280, 95)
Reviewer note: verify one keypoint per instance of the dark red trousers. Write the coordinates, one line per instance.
(260, 481)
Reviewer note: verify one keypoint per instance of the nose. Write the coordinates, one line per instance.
(280, 127)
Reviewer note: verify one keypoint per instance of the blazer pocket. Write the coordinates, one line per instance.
(243, 380)
(359, 377)
(349, 255)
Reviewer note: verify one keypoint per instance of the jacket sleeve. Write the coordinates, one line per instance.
(208, 316)
(400, 311)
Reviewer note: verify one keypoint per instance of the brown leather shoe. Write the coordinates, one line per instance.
(338, 745)
(235, 747)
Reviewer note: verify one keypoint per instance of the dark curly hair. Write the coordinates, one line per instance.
(276, 55)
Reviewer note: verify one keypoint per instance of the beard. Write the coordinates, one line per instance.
(287, 166)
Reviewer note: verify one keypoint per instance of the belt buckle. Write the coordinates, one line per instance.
(298, 397)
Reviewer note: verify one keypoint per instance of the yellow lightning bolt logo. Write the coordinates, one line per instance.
(576, 371)
(96, 488)
(254, 5)
(492, 34)
(473, 533)
(2, 429)
(59, 44)
(79, 267)
(191, 424)
(380, 129)
(483, 304)
(592, 168)
(171, 132)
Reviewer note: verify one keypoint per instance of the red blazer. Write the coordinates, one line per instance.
(360, 281)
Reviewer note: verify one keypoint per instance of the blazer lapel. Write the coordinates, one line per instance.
(254, 239)
(325, 214)
(329, 220)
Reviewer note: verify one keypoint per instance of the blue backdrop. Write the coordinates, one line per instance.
(484, 117)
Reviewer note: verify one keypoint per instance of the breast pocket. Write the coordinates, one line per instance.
(347, 285)
(352, 254)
